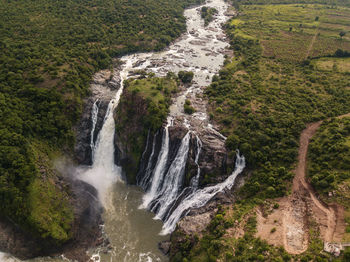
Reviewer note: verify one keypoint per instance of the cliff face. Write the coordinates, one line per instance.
(85, 231)
(131, 134)
(134, 144)
(141, 113)
(213, 161)
(103, 88)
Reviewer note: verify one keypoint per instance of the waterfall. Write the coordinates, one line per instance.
(172, 181)
(195, 180)
(200, 197)
(157, 177)
(94, 114)
(164, 197)
(103, 172)
(148, 171)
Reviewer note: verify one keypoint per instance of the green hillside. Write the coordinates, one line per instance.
(289, 69)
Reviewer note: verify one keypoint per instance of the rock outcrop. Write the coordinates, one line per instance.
(214, 163)
(103, 87)
(131, 135)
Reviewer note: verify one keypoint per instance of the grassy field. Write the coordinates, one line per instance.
(153, 88)
(295, 32)
(333, 64)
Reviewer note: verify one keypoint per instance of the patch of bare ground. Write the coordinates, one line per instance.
(288, 225)
(237, 230)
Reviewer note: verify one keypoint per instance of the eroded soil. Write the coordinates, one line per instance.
(290, 222)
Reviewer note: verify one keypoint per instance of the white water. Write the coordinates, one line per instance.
(7, 258)
(148, 170)
(94, 114)
(173, 179)
(158, 173)
(104, 173)
(195, 180)
(201, 196)
(131, 242)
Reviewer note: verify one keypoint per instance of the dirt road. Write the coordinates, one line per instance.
(290, 220)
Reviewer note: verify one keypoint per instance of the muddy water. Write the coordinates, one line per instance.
(133, 232)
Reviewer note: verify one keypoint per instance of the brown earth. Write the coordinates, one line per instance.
(289, 224)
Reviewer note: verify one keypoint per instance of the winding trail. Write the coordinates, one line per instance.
(295, 209)
(313, 40)
(300, 184)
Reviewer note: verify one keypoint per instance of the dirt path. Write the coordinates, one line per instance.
(300, 183)
(311, 44)
(290, 220)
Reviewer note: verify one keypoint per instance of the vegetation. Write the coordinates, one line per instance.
(207, 13)
(188, 108)
(186, 77)
(332, 3)
(329, 164)
(143, 109)
(157, 93)
(263, 100)
(49, 50)
(216, 245)
(282, 76)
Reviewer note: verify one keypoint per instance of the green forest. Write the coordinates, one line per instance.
(49, 51)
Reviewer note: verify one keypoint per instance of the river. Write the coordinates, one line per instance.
(133, 232)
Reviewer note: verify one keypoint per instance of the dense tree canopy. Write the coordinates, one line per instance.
(49, 50)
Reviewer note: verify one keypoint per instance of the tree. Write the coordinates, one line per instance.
(185, 77)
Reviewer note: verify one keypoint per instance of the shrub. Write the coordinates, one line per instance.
(186, 77)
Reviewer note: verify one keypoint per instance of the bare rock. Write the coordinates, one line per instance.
(192, 225)
(164, 246)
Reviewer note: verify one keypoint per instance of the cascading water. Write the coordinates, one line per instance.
(200, 197)
(195, 180)
(130, 243)
(172, 180)
(94, 114)
(103, 171)
(157, 178)
(144, 181)
(165, 185)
